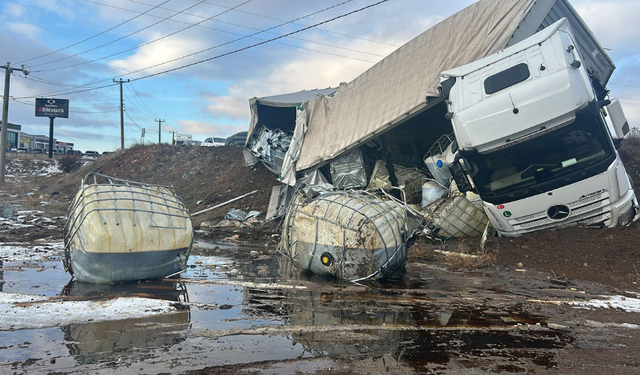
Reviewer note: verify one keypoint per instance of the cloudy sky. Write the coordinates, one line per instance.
(193, 63)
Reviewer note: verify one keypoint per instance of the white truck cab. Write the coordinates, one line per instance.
(534, 138)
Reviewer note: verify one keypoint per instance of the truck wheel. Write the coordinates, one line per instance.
(231, 144)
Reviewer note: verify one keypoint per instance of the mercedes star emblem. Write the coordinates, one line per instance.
(558, 212)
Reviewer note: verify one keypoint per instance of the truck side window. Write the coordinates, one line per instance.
(506, 78)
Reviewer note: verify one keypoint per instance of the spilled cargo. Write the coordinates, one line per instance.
(120, 231)
(350, 235)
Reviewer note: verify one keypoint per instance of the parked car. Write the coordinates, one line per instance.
(107, 152)
(92, 153)
(238, 139)
(23, 149)
(214, 142)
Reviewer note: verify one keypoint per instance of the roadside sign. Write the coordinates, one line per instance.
(49, 107)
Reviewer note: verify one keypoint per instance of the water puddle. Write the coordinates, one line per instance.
(247, 306)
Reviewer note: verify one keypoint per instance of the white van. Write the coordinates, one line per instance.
(213, 142)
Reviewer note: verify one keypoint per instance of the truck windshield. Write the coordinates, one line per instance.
(576, 151)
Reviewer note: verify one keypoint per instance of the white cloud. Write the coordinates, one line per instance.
(307, 70)
(25, 29)
(13, 10)
(159, 52)
(235, 108)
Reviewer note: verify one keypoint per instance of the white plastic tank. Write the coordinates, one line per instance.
(431, 191)
(438, 169)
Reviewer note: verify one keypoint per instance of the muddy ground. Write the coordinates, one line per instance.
(526, 305)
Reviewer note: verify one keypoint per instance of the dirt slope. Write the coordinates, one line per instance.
(202, 176)
(213, 175)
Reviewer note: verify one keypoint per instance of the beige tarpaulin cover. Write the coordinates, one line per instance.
(285, 100)
(398, 85)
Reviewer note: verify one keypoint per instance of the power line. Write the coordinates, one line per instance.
(122, 37)
(205, 50)
(96, 35)
(141, 101)
(40, 80)
(217, 56)
(134, 104)
(222, 31)
(256, 44)
(70, 92)
(134, 123)
(71, 110)
(281, 20)
(149, 42)
(253, 28)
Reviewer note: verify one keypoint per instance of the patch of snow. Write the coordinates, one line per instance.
(16, 168)
(15, 224)
(596, 324)
(20, 311)
(12, 253)
(628, 304)
(29, 212)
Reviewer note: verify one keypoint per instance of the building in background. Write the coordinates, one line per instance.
(13, 134)
(40, 143)
(63, 147)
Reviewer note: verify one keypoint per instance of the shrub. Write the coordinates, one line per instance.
(69, 163)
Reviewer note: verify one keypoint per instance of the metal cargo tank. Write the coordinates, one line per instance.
(350, 235)
(119, 230)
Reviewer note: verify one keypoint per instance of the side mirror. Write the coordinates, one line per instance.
(460, 176)
(618, 119)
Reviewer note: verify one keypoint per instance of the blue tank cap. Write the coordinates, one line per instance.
(439, 163)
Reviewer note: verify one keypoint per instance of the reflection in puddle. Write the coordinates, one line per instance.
(167, 289)
(97, 342)
(430, 321)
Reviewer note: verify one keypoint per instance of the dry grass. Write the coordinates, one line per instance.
(468, 256)
(457, 255)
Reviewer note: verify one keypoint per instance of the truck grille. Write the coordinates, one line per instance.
(586, 211)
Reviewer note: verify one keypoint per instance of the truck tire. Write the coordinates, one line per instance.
(231, 144)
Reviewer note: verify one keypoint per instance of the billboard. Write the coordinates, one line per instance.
(49, 107)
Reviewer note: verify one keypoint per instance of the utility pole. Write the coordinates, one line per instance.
(5, 115)
(173, 138)
(160, 130)
(121, 113)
